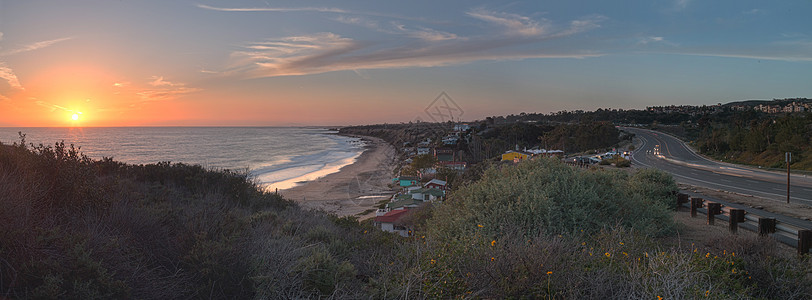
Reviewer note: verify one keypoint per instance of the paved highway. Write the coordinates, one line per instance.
(667, 153)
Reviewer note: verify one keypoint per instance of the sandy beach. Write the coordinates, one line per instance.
(356, 188)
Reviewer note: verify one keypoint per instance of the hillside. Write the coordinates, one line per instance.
(76, 228)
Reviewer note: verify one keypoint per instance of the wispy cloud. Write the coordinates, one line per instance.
(1, 35)
(35, 46)
(654, 40)
(514, 37)
(8, 75)
(791, 56)
(274, 9)
(54, 107)
(515, 24)
(426, 34)
(159, 81)
(681, 4)
(163, 89)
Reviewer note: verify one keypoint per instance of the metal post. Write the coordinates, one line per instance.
(713, 210)
(788, 158)
(766, 226)
(804, 241)
(736, 216)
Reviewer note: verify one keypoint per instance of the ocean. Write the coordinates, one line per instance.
(277, 157)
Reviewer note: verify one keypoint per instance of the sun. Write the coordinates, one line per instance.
(75, 117)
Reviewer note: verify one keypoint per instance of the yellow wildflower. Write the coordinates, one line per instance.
(479, 225)
(707, 293)
(549, 272)
(492, 258)
(493, 243)
(607, 254)
(433, 261)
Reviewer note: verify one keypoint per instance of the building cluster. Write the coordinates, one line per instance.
(413, 194)
(423, 188)
(788, 108)
(426, 187)
(774, 107)
(517, 155)
(686, 109)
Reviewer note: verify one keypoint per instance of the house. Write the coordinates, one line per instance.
(406, 180)
(450, 140)
(454, 165)
(390, 222)
(423, 150)
(461, 127)
(444, 154)
(403, 202)
(435, 184)
(544, 152)
(424, 194)
(515, 156)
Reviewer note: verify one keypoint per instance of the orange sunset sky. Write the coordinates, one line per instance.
(282, 63)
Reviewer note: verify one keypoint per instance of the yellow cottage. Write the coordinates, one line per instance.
(515, 156)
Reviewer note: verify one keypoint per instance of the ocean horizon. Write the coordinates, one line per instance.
(277, 157)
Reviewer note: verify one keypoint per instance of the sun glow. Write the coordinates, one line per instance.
(75, 117)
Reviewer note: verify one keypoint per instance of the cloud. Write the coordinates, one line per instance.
(159, 81)
(53, 107)
(275, 9)
(35, 46)
(507, 36)
(653, 40)
(427, 34)
(8, 75)
(1, 35)
(327, 52)
(681, 4)
(515, 24)
(164, 89)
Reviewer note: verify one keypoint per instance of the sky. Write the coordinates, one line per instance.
(293, 63)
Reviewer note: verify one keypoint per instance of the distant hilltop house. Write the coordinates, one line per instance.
(423, 150)
(462, 127)
(450, 140)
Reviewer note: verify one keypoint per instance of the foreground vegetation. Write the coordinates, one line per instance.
(81, 228)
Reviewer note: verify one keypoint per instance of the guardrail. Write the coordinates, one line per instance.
(801, 238)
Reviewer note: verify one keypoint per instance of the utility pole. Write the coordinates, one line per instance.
(788, 158)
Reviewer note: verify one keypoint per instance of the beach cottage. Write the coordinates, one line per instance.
(405, 181)
(515, 156)
(390, 222)
(435, 184)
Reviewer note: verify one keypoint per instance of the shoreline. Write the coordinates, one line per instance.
(356, 189)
